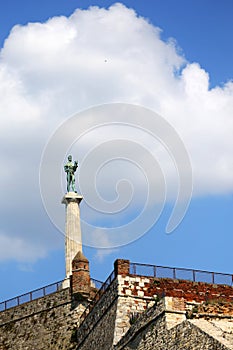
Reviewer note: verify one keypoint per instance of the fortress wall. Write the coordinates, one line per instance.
(97, 330)
(129, 306)
(134, 312)
(143, 323)
(46, 323)
(35, 306)
(152, 331)
(101, 336)
(138, 293)
(130, 295)
(183, 336)
(110, 318)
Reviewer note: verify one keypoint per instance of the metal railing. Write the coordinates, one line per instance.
(96, 283)
(135, 269)
(33, 295)
(98, 295)
(39, 293)
(163, 272)
(181, 274)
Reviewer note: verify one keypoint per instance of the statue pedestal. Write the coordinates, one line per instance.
(73, 241)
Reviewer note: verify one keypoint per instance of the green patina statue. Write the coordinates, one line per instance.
(70, 169)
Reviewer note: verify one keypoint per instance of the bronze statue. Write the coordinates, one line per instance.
(70, 169)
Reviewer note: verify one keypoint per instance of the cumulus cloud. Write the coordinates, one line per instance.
(51, 70)
(18, 248)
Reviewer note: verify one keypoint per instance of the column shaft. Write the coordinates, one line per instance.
(73, 239)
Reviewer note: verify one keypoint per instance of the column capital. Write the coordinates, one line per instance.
(71, 197)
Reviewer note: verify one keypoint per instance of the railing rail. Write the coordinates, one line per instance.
(32, 295)
(39, 293)
(181, 273)
(98, 295)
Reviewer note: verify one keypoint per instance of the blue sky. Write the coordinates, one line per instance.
(202, 32)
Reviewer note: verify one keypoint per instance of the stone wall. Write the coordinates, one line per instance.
(134, 312)
(97, 330)
(27, 309)
(110, 318)
(129, 296)
(102, 334)
(129, 304)
(183, 336)
(164, 327)
(143, 322)
(46, 323)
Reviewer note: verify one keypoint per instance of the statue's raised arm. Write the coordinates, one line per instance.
(70, 169)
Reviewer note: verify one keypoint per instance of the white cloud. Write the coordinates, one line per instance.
(51, 70)
(17, 248)
(102, 253)
(103, 242)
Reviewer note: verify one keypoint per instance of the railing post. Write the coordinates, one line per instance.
(213, 277)
(18, 301)
(113, 275)
(44, 291)
(174, 273)
(154, 271)
(194, 279)
(5, 305)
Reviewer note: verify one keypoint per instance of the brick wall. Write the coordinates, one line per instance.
(198, 291)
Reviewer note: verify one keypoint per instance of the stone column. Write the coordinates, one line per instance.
(73, 241)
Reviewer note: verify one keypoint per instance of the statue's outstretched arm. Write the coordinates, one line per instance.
(75, 165)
